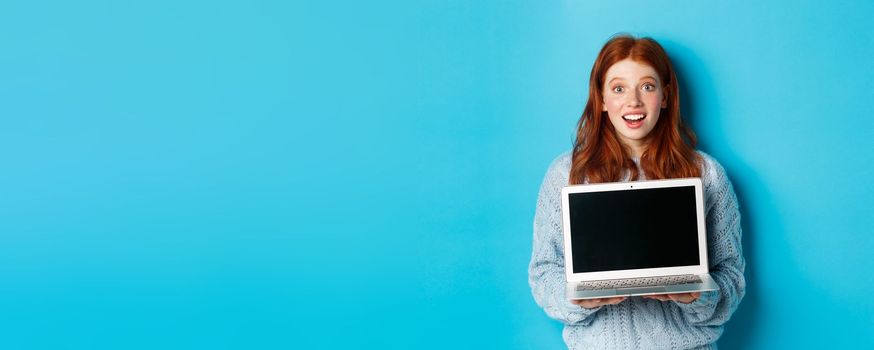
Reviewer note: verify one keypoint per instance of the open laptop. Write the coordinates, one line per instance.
(635, 238)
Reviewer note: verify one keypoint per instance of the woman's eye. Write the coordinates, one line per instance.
(648, 87)
(618, 89)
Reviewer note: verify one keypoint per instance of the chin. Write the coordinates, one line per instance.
(636, 136)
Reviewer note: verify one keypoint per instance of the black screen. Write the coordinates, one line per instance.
(633, 229)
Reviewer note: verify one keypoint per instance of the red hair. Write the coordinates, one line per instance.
(598, 155)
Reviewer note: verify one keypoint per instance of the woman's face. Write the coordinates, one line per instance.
(633, 98)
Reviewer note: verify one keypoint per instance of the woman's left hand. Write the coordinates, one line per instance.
(684, 298)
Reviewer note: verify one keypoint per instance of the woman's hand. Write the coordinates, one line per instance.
(684, 298)
(593, 303)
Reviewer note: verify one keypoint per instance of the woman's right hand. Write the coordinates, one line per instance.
(593, 303)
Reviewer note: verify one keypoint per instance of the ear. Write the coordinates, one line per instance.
(665, 96)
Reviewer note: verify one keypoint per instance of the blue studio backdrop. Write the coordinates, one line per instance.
(320, 175)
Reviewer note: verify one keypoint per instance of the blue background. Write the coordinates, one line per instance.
(255, 174)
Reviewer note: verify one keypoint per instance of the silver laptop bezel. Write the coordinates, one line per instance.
(701, 268)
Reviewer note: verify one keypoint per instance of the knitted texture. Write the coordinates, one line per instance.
(639, 323)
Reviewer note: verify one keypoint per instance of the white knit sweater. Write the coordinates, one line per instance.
(639, 323)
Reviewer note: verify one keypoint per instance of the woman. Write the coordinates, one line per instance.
(631, 130)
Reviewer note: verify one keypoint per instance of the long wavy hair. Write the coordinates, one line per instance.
(599, 156)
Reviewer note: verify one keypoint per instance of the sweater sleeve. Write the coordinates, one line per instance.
(726, 255)
(546, 274)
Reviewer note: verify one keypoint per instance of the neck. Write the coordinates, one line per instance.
(635, 149)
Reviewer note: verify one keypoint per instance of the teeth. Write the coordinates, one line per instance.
(633, 117)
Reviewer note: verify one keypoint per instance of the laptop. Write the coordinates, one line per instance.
(635, 238)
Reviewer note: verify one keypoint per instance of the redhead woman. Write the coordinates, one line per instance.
(631, 129)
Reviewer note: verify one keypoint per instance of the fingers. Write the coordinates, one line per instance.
(590, 303)
(684, 298)
(613, 301)
(677, 297)
(593, 303)
(659, 297)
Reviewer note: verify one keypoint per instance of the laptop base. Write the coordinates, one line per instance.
(706, 284)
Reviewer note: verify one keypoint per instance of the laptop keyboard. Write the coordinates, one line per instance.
(638, 282)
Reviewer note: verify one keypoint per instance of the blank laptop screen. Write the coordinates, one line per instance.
(633, 229)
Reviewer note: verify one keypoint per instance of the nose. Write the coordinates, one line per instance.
(634, 99)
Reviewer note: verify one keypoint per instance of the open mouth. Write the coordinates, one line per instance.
(633, 121)
(634, 117)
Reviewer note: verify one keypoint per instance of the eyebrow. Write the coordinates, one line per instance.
(641, 78)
